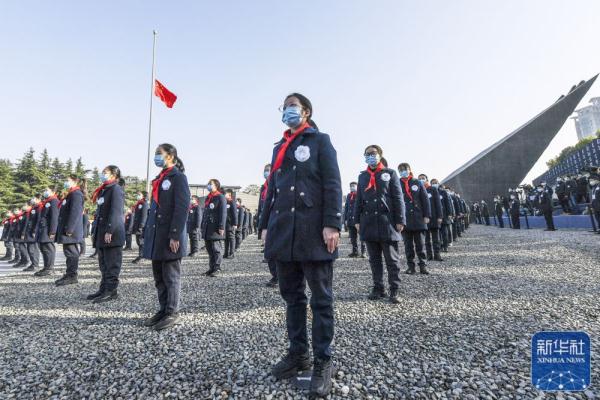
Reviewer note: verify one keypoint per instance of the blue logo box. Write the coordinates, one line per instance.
(561, 361)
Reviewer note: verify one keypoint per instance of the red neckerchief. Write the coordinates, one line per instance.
(28, 212)
(407, 187)
(288, 137)
(209, 197)
(263, 195)
(100, 189)
(40, 206)
(352, 195)
(156, 183)
(372, 180)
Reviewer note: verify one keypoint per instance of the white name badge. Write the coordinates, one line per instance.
(64, 202)
(211, 206)
(385, 177)
(100, 201)
(47, 205)
(166, 185)
(140, 206)
(414, 188)
(302, 153)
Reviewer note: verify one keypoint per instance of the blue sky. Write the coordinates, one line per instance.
(432, 82)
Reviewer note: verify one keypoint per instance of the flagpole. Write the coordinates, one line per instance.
(154, 33)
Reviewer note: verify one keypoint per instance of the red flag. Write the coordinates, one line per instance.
(164, 94)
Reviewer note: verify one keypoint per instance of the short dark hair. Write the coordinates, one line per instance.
(376, 147)
(404, 166)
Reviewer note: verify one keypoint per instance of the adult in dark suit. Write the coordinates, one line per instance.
(349, 222)
(214, 220)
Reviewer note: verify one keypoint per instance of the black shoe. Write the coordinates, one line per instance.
(192, 254)
(214, 273)
(66, 280)
(423, 270)
(44, 272)
(167, 321)
(226, 256)
(106, 296)
(353, 255)
(290, 365)
(153, 320)
(232, 256)
(272, 283)
(95, 295)
(438, 258)
(320, 382)
(14, 261)
(20, 265)
(411, 270)
(376, 294)
(363, 255)
(207, 273)
(6, 257)
(394, 297)
(136, 260)
(30, 268)
(93, 255)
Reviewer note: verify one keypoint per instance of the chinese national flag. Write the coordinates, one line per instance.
(164, 94)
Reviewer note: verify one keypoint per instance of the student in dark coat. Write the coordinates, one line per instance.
(13, 236)
(515, 211)
(139, 223)
(165, 237)
(86, 232)
(129, 220)
(433, 244)
(246, 226)
(418, 215)
(110, 235)
(69, 231)
(47, 231)
(301, 224)
(20, 238)
(6, 238)
(230, 225)
(261, 204)
(194, 220)
(241, 218)
(379, 216)
(498, 211)
(349, 222)
(31, 231)
(485, 212)
(213, 226)
(545, 205)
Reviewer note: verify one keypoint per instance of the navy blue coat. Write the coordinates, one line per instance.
(5, 229)
(86, 225)
(194, 219)
(304, 196)
(247, 218)
(418, 207)
(70, 224)
(31, 226)
(140, 217)
(596, 198)
(232, 215)
(13, 230)
(167, 219)
(349, 209)
(241, 215)
(515, 207)
(214, 218)
(129, 223)
(109, 216)
(379, 210)
(544, 200)
(437, 212)
(447, 206)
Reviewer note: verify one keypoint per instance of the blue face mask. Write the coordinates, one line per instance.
(292, 116)
(372, 160)
(46, 194)
(159, 161)
(266, 174)
(353, 188)
(103, 178)
(67, 185)
(436, 185)
(209, 187)
(404, 174)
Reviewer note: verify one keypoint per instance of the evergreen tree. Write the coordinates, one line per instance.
(94, 181)
(57, 174)
(79, 168)
(29, 179)
(7, 200)
(44, 163)
(68, 167)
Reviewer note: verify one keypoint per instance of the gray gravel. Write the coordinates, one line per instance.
(461, 332)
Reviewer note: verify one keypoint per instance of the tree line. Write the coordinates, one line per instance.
(30, 175)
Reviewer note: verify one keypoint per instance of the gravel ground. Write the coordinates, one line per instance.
(462, 332)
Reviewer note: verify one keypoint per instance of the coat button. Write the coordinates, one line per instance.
(292, 188)
(277, 190)
(375, 212)
(276, 211)
(293, 209)
(301, 193)
(294, 167)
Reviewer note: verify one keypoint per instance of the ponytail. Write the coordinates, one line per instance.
(179, 164)
(172, 151)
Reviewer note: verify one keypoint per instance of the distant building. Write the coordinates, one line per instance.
(250, 200)
(587, 120)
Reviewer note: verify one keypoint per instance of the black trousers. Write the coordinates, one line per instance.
(432, 242)
(194, 241)
(215, 254)
(17, 250)
(597, 215)
(167, 280)
(33, 250)
(391, 254)
(500, 220)
(354, 240)
(238, 239)
(487, 220)
(414, 245)
(110, 260)
(82, 247)
(48, 254)
(139, 240)
(516, 221)
(293, 277)
(244, 233)
(71, 252)
(128, 241)
(455, 229)
(549, 219)
(229, 243)
(273, 268)
(446, 236)
(8, 245)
